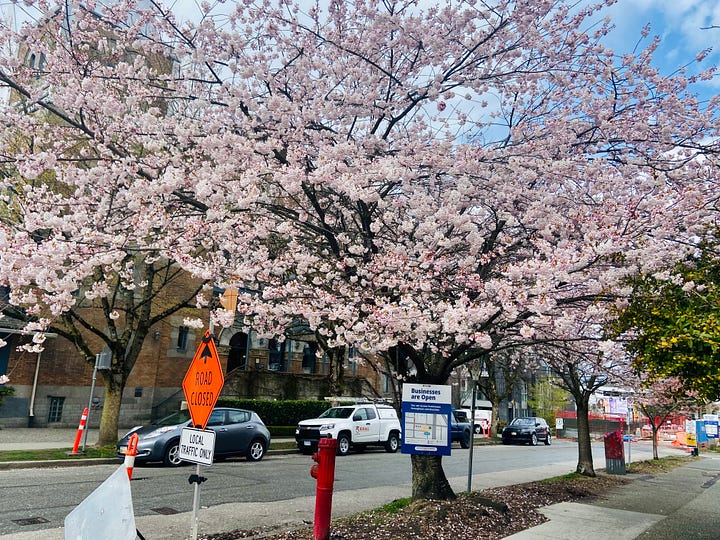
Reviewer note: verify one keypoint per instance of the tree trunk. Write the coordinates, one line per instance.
(428, 479)
(494, 418)
(111, 410)
(655, 430)
(585, 459)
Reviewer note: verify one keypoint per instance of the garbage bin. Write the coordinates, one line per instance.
(614, 453)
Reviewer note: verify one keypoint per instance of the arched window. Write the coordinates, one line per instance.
(237, 357)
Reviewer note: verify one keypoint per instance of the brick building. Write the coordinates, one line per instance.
(53, 387)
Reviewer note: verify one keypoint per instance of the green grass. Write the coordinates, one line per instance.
(395, 506)
(564, 478)
(56, 453)
(663, 464)
(90, 452)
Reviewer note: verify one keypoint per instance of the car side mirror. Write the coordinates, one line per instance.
(356, 418)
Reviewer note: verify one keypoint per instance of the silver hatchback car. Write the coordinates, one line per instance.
(238, 432)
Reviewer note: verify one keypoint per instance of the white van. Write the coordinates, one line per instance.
(482, 419)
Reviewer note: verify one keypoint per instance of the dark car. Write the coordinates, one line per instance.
(460, 429)
(238, 432)
(527, 429)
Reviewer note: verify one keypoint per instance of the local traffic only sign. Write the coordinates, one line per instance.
(197, 446)
(203, 382)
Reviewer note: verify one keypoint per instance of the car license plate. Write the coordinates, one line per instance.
(122, 450)
(306, 443)
(513, 433)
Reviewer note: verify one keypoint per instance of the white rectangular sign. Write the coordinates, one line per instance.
(197, 445)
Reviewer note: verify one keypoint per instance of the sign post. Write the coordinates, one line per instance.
(201, 385)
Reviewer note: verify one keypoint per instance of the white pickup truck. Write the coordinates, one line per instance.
(355, 426)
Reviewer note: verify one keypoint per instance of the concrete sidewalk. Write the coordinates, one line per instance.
(42, 438)
(683, 503)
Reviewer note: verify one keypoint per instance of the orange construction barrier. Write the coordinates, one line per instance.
(80, 430)
(130, 454)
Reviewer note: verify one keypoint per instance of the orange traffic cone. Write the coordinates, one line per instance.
(130, 454)
(80, 430)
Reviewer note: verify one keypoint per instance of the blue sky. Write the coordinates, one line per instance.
(679, 24)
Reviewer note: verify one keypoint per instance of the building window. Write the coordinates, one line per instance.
(309, 357)
(237, 356)
(55, 410)
(352, 359)
(276, 354)
(182, 338)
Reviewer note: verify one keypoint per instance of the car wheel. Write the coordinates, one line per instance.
(548, 440)
(172, 454)
(465, 440)
(393, 443)
(343, 447)
(256, 450)
(533, 439)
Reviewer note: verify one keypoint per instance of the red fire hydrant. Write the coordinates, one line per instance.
(324, 472)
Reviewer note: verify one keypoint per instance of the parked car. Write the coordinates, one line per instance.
(238, 432)
(354, 426)
(460, 428)
(527, 429)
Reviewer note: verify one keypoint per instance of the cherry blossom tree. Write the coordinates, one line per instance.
(582, 366)
(658, 399)
(447, 178)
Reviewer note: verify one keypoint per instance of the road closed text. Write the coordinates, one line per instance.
(201, 399)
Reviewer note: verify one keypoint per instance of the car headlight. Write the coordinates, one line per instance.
(158, 432)
(325, 427)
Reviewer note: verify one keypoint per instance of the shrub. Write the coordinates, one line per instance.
(279, 412)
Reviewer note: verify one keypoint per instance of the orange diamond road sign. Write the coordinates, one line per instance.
(203, 382)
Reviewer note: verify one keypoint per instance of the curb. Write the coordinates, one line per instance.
(79, 462)
(49, 463)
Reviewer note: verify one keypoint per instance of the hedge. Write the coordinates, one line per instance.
(278, 412)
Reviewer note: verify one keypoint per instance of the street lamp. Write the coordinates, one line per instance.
(475, 368)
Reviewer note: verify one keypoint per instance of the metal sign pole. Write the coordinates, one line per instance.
(92, 391)
(196, 503)
(472, 436)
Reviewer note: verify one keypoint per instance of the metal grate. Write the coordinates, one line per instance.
(30, 521)
(165, 511)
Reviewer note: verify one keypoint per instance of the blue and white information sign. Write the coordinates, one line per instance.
(711, 425)
(426, 410)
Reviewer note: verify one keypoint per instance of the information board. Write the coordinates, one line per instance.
(426, 410)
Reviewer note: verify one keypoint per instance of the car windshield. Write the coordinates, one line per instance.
(337, 412)
(523, 422)
(174, 419)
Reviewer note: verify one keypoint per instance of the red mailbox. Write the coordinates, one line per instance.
(324, 472)
(614, 453)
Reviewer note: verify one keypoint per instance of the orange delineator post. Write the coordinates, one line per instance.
(324, 473)
(130, 454)
(80, 430)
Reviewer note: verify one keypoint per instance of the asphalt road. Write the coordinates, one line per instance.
(46, 496)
